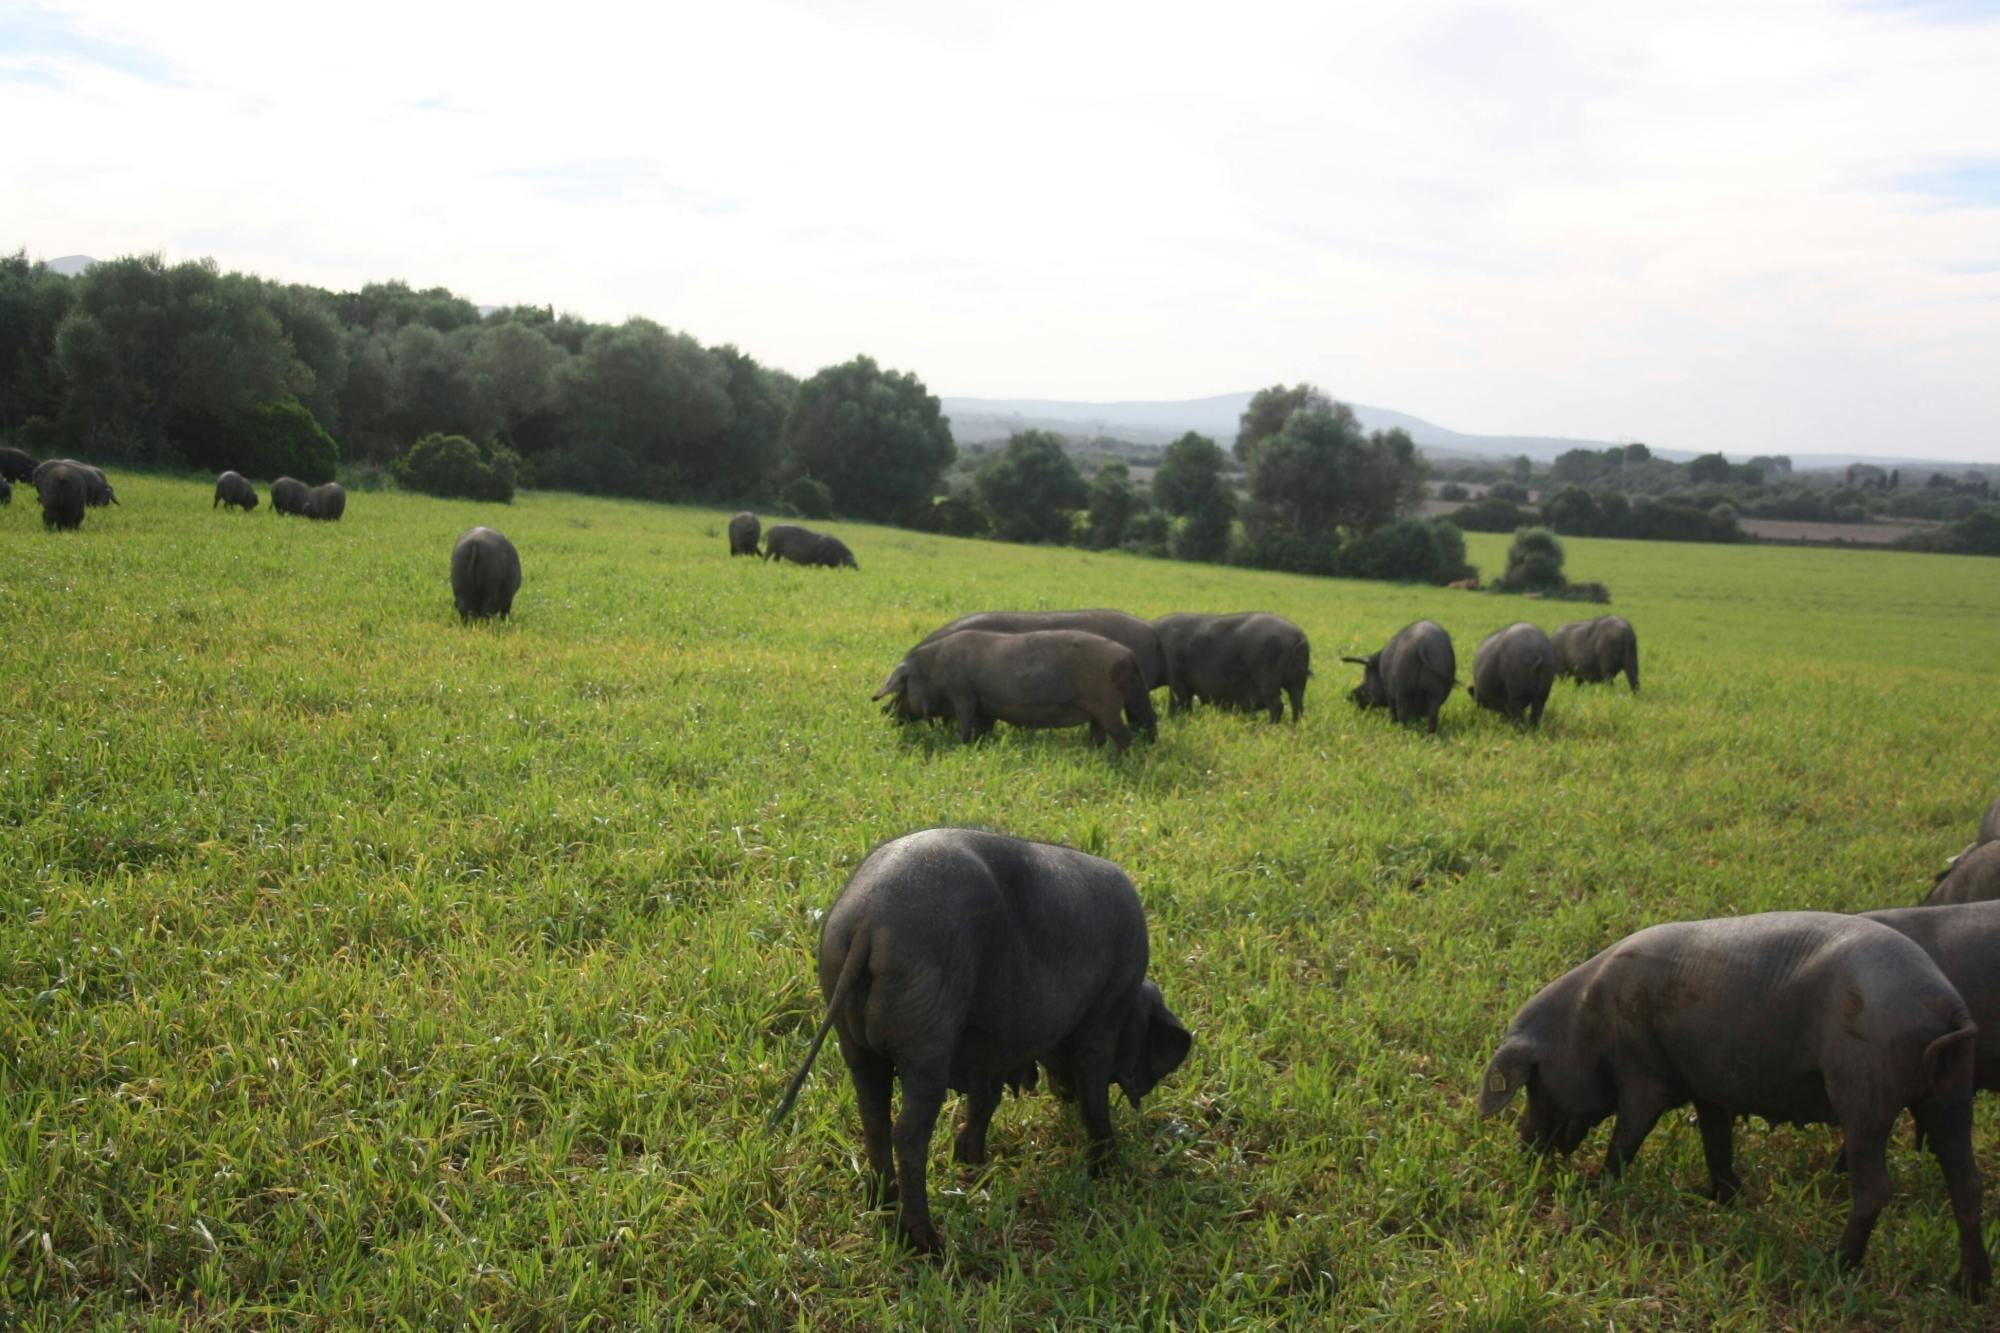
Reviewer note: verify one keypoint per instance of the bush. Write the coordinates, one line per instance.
(956, 516)
(808, 498)
(1978, 533)
(1410, 550)
(1148, 533)
(455, 468)
(263, 442)
(1507, 490)
(1203, 535)
(1534, 562)
(1451, 490)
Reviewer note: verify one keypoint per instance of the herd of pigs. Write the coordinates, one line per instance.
(960, 960)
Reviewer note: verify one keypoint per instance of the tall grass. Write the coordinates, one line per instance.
(357, 967)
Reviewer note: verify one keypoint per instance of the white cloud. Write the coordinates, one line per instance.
(1704, 225)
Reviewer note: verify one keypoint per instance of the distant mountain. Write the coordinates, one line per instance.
(71, 265)
(974, 420)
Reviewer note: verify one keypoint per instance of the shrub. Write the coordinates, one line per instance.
(1451, 490)
(1148, 533)
(808, 498)
(1534, 562)
(1508, 490)
(1202, 535)
(263, 442)
(1410, 550)
(456, 468)
(956, 516)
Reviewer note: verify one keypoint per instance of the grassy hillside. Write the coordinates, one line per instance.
(358, 966)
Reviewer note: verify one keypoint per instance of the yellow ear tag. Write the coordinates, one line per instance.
(1496, 1082)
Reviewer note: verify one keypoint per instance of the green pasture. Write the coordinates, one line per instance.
(361, 969)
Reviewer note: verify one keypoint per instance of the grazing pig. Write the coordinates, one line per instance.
(1974, 877)
(1116, 626)
(1044, 678)
(802, 546)
(957, 959)
(743, 529)
(1252, 660)
(1590, 651)
(233, 490)
(485, 574)
(289, 495)
(16, 465)
(327, 502)
(97, 492)
(1800, 1017)
(1513, 670)
(1963, 939)
(63, 488)
(1412, 676)
(1989, 831)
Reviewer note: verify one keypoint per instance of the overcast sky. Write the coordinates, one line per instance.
(1755, 227)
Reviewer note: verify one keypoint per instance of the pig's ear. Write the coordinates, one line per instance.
(1510, 1068)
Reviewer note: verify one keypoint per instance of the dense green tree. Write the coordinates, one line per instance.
(751, 450)
(33, 301)
(1572, 512)
(1270, 409)
(392, 305)
(148, 352)
(519, 372)
(658, 398)
(1321, 473)
(1113, 503)
(433, 389)
(1190, 486)
(875, 436)
(1578, 467)
(312, 327)
(1029, 488)
(1708, 469)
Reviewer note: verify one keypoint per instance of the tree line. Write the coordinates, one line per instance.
(185, 365)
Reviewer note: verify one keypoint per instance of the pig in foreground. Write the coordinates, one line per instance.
(956, 959)
(1799, 1017)
(1513, 670)
(743, 530)
(1412, 676)
(63, 489)
(1252, 660)
(1964, 941)
(1044, 678)
(1116, 626)
(1593, 651)
(485, 575)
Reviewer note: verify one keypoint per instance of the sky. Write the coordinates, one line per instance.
(1757, 228)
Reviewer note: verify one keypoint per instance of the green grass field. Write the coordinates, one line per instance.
(358, 968)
